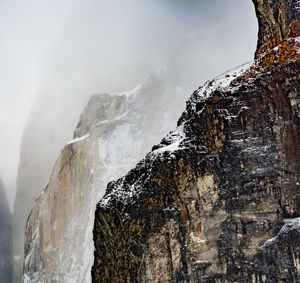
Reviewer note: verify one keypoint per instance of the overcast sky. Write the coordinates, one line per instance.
(109, 46)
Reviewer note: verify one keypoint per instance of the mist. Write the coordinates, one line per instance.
(61, 52)
(56, 54)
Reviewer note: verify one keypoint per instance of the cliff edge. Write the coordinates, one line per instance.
(113, 133)
(218, 200)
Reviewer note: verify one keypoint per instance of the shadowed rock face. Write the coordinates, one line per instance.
(218, 199)
(203, 204)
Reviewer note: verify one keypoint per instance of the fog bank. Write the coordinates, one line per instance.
(64, 51)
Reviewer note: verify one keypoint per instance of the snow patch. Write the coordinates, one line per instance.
(130, 92)
(174, 139)
(79, 139)
(222, 81)
(290, 225)
(197, 240)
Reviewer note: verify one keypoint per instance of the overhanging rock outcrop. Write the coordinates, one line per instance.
(279, 29)
(218, 199)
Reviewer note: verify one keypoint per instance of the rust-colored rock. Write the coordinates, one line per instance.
(279, 29)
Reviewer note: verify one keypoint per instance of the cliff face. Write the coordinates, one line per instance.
(113, 133)
(218, 199)
(279, 29)
(39, 149)
(121, 129)
(277, 19)
(43, 139)
(5, 238)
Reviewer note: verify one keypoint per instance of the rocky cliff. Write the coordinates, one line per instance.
(218, 200)
(279, 29)
(41, 144)
(113, 133)
(6, 255)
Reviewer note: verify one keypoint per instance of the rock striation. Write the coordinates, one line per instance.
(218, 200)
(6, 255)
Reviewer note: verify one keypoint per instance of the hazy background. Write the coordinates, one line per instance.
(54, 54)
(59, 52)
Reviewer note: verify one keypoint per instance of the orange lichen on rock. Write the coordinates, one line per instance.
(273, 53)
(276, 52)
(279, 31)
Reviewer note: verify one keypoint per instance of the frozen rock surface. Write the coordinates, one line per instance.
(218, 200)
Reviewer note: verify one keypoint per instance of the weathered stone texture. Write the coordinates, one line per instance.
(218, 199)
(278, 19)
(58, 222)
(279, 31)
(205, 212)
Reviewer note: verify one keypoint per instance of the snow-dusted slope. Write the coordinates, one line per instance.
(176, 139)
(206, 204)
